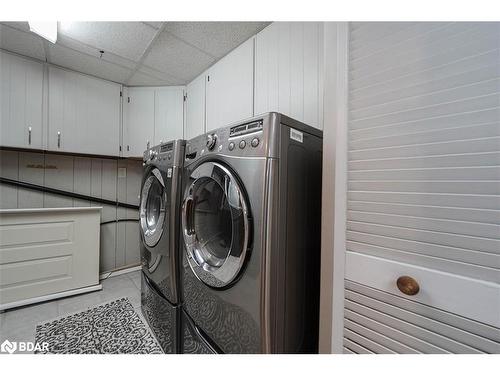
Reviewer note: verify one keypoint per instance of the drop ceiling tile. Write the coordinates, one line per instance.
(156, 25)
(161, 75)
(80, 62)
(95, 52)
(126, 39)
(141, 78)
(215, 38)
(23, 43)
(171, 55)
(23, 26)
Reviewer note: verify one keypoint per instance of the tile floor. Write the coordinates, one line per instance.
(19, 324)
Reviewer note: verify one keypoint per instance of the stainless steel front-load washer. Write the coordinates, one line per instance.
(251, 218)
(160, 231)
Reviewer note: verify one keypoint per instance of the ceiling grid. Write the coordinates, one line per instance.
(135, 53)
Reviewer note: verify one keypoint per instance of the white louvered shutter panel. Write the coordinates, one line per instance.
(423, 187)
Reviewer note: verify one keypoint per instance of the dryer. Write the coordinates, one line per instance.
(159, 228)
(251, 218)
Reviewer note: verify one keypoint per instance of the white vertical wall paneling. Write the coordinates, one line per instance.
(59, 173)
(284, 68)
(288, 70)
(82, 179)
(109, 231)
(312, 53)
(31, 170)
(229, 92)
(9, 161)
(297, 54)
(424, 174)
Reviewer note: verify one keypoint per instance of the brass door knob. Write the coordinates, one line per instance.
(408, 285)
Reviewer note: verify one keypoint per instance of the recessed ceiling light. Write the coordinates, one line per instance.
(46, 29)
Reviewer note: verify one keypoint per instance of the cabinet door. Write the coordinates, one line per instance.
(103, 117)
(195, 107)
(140, 120)
(169, 114)
(84, 114)
(20, 102)
(230, 87)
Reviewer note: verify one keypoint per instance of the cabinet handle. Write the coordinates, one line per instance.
(408, 285)
(128, 148)
(58, 139)
(147, 145)
(29, 135)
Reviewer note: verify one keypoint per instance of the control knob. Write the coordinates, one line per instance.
(211, 141)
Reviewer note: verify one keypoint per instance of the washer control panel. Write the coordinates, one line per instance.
(246, 136)
(239, 140)
(211, 141)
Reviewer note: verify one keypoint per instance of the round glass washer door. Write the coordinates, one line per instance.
(153, 207)
(215, 225)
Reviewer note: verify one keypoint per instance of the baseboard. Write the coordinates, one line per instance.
(106, 275)
(49, 297)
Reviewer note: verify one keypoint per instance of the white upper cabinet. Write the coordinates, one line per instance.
(84, 114)
(21, 92)
(230, 87)
(151, 115)
(169, 114)
(288, 71)
(195, 107)
(139, 127)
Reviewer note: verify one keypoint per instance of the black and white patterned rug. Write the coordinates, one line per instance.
(110, 328)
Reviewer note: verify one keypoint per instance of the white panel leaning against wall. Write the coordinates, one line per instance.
(92, 176)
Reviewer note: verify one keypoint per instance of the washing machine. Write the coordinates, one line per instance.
(251, 220)
(160, 234)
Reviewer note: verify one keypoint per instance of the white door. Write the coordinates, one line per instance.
(140, 121)
(230, 87)
(422, 259)
(20, 102)
(169, 114)
(195, 107)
